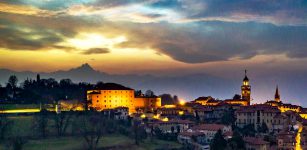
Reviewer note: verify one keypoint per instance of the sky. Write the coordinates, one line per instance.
(159, 37)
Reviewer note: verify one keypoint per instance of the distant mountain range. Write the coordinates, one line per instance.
(292, 86)
(188, 86)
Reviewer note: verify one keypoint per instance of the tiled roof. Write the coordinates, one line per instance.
(203, 98)
(190, 134)
(209, 127)
(255, 141)
(113, 86)
(260, 107)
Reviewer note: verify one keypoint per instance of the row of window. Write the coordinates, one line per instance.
(252, 121)
(253, 114)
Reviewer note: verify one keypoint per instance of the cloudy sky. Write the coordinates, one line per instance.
(161, 37)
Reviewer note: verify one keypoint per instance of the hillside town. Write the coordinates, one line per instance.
(204, 123)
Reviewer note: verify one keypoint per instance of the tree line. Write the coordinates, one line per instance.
(48, 91)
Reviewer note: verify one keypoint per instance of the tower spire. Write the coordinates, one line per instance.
(277, 96)
(246, 89)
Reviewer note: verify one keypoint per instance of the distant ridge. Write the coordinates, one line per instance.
(185, 86)
(196, 84)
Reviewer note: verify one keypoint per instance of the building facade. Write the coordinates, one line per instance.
(113, 95)
(246, 89)
(259, 114)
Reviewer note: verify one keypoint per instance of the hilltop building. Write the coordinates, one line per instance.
(283, 107)
(244, 100)
(246, 89)
(113, 95)
(259, 114)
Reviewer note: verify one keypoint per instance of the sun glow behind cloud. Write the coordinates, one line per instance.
(94, 40)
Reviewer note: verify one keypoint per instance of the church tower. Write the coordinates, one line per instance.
(277, 96)
(246, 89)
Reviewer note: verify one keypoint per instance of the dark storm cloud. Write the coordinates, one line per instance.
(275, 11)
(196, 41)
(96, 51)
(216, 41)
(19, 32)
(24, 38)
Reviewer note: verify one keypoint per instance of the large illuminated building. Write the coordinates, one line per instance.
(113, 95)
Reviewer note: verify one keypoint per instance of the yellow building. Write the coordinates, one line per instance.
(147, 103)
(113, 95)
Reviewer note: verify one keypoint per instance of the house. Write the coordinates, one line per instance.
(170, 126)
(253, 143)
(119, 113)
(286, 141)
(257, 115)
(210, 130)
(194, 140)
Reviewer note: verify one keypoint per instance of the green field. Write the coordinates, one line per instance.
(23, 127)
(107, 142)
(19, 106)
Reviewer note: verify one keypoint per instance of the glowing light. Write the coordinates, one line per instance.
(20, 111)
(157, 116)
(143, 116)
(182, 102)
(298, 138)
(181, 113)
(169, 106)
(165, 119)
(94, 40)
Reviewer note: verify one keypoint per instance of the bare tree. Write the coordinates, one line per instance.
(5, 126)
(16, 143)
(13, 81)
(92, 126)
(40, 123)
(61, 122)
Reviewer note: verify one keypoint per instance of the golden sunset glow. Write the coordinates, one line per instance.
(94, 40)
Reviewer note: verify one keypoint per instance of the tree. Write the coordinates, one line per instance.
(175, 99)
(197, 118)
(92, 125)
(218, 142)
(12, 85)
(237, 96)
(139, 132)
(236, 142)
(5, 126)
(16, 143)
(40, 123)
(263, 128)
(138, 93)
(61, 121)
(65, 83)
(248, 130)
(228, 117)
(13, 80)
(99, 84)
(149, 93)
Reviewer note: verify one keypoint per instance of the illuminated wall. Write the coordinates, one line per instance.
(108, 99)
(284, 108)
(148, 102)
(241, 102)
